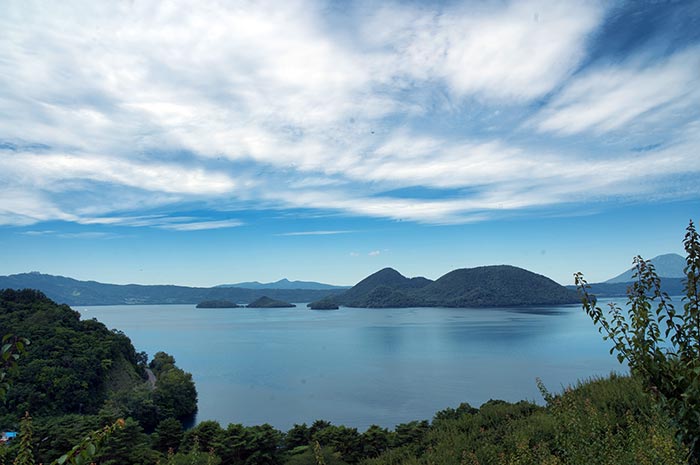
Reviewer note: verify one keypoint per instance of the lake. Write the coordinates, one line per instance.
(359, 367)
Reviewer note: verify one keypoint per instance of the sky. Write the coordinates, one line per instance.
(209, 142)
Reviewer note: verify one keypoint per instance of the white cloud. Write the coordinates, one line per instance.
(610, 98)
(374, 253)
(241, 105)
(518, 50)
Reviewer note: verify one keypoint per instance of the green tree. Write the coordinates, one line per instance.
(661, 346)
(375, 441)
(168, 435)
(175, 394)
(299, 435)
(128, 445)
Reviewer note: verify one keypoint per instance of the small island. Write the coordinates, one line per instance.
(266, 302)
(217, 304)
(323, 305)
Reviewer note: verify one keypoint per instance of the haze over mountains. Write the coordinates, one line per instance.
(285, 284)
(73, 292)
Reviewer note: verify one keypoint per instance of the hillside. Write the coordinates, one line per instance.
(75, 366)
(81, 358)
(73, 292)
(486, 286)
(669, 265)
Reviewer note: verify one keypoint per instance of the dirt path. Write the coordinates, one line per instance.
(151, 378)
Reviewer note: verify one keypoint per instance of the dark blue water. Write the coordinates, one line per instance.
(359, 367)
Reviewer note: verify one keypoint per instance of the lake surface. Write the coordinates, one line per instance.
(359, 367)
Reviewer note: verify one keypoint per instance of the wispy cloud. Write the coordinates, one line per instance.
(374, 253)
(74, 235)
(314, 233)
(610, 97)
(264, 105)
(202, 225)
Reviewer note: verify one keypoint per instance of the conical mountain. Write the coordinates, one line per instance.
(376, 287)
(669, 265)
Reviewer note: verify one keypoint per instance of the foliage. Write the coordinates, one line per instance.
(126, 445)
(72, 359)
(68, 365)
(666, 359)
(597, 422)
(25, 456)
(12, 348)
(167, 436)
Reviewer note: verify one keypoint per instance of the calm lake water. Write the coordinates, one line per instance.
(359, 367)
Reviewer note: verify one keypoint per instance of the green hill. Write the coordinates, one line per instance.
(486, 286)
(491, 286)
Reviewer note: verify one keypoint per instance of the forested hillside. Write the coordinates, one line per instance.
(78, 375)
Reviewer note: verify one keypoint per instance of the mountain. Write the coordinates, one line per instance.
(381, 289)
(73, 292)
(669, 265)
(285, 284)
(496, 285)
(486, 286)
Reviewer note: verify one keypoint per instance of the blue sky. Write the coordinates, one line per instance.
(206, 142)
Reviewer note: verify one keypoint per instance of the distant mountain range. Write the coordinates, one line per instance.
(486, 286)
(669, 267)
(285, 284)
(73, 292)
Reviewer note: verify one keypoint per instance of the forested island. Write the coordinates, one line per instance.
(486, 286)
